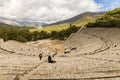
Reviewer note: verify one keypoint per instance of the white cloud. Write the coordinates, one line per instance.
(45, 10)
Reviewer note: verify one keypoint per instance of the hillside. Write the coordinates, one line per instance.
(9, 21)
(80, 17)
(9, 32)
(2, 25)
(78, 23)
(109, 19)
(8, 27)
(79, 20)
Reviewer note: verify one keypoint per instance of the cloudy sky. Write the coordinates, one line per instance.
(52, 10)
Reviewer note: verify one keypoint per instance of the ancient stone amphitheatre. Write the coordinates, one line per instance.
(94, 55)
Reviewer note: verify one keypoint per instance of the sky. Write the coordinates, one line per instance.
(107, 5)
(52, 10)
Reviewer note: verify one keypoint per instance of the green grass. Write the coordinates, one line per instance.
(52, 28)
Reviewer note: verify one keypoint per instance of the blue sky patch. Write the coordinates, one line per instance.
(108, 4)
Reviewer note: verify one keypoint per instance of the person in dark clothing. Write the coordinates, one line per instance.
(50, 59)
(40, 56)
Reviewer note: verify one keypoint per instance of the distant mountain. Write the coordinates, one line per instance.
(4, 27)
(9, 21)
(79, 20)
(84, 17)
(20, 22)
(26, 23)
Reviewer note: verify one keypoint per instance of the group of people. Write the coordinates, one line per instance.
(49, 57)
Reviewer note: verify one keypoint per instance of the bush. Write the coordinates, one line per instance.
(21, 39)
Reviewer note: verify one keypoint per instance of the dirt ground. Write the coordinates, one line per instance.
(50, 45)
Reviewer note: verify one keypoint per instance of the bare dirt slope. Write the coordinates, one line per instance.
(49, 45)
(94, 55)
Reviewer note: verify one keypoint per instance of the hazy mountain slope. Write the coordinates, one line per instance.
(21, 22)
(9, 21)
(78, 21)
(4, 26)
(80, 17)
(85, 20)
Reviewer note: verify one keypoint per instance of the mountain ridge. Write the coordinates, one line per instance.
(25, 23)
(77, 17)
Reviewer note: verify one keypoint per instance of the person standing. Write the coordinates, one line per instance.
(40, 56)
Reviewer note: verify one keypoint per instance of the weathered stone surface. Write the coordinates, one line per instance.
(94, 55)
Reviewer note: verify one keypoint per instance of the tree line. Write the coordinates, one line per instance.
(24, 35)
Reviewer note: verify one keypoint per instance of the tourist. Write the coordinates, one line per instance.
(40, 56)
(50, 59)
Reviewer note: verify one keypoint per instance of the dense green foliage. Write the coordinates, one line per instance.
(109, 19)
(65, 33)
(23, 34)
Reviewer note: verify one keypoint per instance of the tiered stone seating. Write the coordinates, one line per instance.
(85, 44)
(103, 63)
(96, 57)
(12, 65)
(109, 35)
(20, 48)
(112, 39)
(76, 68)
